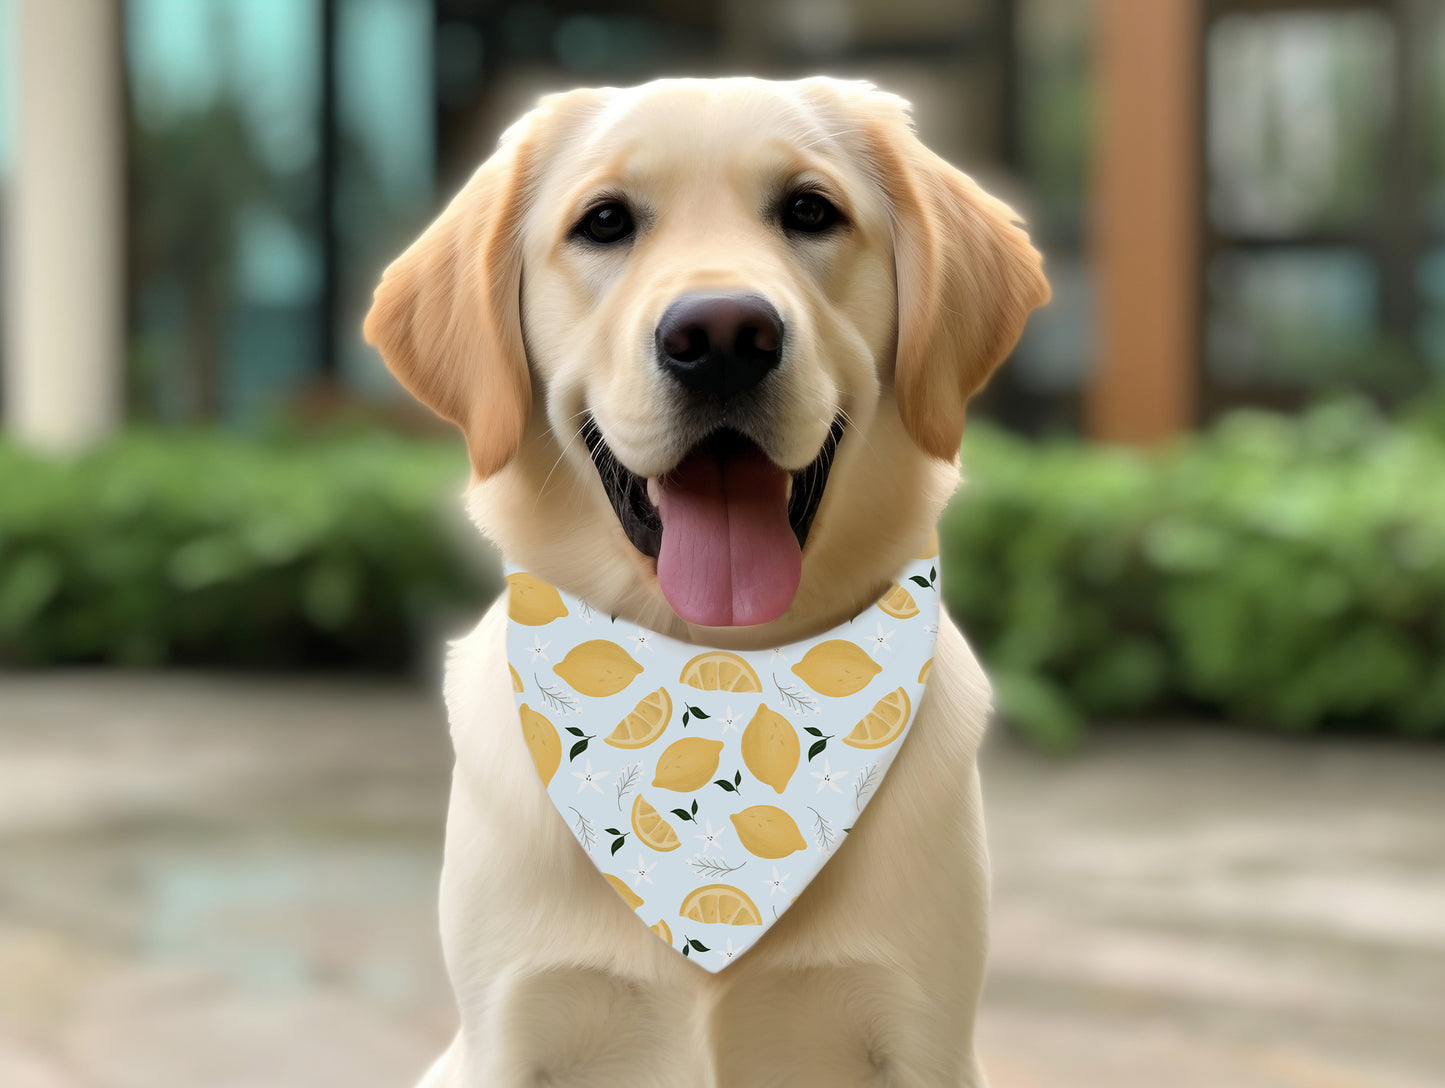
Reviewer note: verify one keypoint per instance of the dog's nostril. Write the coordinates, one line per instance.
(686, 345)
(752, 340)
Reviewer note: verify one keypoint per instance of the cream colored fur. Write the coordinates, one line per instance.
(505, 326)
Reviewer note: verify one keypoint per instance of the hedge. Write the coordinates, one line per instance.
(1287, 571)
(211, 549)
(1282, 571)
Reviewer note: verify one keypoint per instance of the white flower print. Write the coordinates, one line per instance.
(777, 883)
(829, 777)
(729, 721)
(589, 777)
(538, 649)
(641, 872)
(778, 655)
(729, 952)
(880, 639)
(931, 629)
(710, 838)
(642, 639)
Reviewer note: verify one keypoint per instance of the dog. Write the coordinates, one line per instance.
(710, 344)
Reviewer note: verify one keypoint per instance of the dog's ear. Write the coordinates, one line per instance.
(967, 275)
(447, 314)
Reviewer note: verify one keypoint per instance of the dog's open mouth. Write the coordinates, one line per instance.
(727, 531)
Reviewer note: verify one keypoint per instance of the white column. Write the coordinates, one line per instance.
(63, 237)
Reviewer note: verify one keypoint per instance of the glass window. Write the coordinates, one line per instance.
(1298, 104)
(226, 263)
(1055, 105)
(1300, 318)
(7, 90)
(1433, 114)
(1431, 281)
(7, 122)
(387, 156)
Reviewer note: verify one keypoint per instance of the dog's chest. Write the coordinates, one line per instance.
(876, 967)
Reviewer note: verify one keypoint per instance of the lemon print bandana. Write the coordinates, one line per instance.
(709, 786)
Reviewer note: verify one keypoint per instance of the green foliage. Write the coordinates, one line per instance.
(199, 548)
(1287, 571)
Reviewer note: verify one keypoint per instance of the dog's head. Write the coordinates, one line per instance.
(710, 342)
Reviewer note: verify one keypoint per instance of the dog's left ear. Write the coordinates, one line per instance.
(447, 314)
(968, 277)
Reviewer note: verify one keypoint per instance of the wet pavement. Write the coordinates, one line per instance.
(230, 883)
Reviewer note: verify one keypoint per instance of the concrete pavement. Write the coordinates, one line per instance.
(229, 882)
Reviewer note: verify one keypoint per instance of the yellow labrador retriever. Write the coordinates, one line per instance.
(710, 343)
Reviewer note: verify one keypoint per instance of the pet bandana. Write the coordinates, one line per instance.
(709, 786)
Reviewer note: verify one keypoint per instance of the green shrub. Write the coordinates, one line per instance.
(1289, 571)
(199, 548)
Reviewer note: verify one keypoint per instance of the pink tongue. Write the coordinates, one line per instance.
(729, 557)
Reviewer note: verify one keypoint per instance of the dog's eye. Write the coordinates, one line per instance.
(607, 223)
(809, 212)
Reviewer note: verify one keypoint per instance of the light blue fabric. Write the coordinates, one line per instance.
(596, 784)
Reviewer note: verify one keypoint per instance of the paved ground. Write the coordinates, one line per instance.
(228, 883)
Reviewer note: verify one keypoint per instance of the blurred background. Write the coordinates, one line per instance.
(1202, 547)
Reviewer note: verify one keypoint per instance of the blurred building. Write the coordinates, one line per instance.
(1241, 201)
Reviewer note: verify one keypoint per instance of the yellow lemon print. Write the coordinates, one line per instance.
(720, 903)
(651, 829)
(662, 931)
(645, 724)
(931, 548)
(630, 897)
(898, 603)
(688, 764)
(542, 741)
(881, 725)
(837, 668)
(516, 679)
(770, 748)
(597, 668)
(718, 670)
(923, 672)
(768, 832)
(533, 602)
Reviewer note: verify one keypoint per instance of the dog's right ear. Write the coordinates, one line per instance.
(447, 314)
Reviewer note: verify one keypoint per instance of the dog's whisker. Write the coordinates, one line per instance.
(537, 499)
(828, 136)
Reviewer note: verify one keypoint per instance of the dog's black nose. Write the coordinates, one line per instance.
(719, 345)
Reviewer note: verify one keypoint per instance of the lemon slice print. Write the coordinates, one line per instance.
(720, 903)
(923, 672)
(719, 670)
(662, 931)
(931, 548)
(836, 668)
(768, 832)
(770, 748)
(542, 741)
(516, 679)
(597, 668)
(881, 725)
(645, 724)
(651, 829)
(898, 603)
(533, 602)
(688, 764)
(630, 897)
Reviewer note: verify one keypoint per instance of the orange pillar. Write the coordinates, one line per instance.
(1145, 219)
